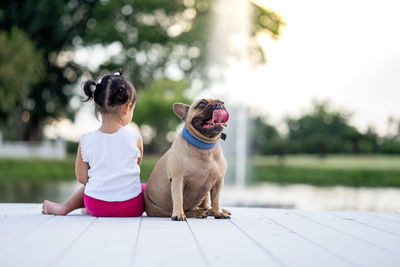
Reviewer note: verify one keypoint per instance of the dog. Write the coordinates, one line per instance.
(193, 168)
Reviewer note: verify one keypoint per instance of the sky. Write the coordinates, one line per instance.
(344, 51)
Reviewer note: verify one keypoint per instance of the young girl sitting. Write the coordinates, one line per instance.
(107, 161)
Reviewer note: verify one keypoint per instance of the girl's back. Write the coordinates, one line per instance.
(114, 174)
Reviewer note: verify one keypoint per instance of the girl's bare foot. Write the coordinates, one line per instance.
(54, 208)
(84, 211)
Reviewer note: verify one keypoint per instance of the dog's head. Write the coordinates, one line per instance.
(205, 118)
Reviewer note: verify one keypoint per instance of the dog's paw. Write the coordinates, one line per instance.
(197, 213)
(224, 214)
(210, 212)
(179, 217)
(226, 211)
(220, 214)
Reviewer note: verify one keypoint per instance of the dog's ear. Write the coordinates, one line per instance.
(181, 110)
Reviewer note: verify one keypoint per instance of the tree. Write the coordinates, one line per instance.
(156, 37)
(154, 110)
(53, 26)
(390, 145)
(21, 67)
(321, 131)
(266, 139)
(267, 21)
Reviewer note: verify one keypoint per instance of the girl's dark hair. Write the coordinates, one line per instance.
(110, 91)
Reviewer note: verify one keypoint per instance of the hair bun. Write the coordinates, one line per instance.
(87, 88)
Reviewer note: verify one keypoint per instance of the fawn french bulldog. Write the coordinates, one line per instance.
(192, 168)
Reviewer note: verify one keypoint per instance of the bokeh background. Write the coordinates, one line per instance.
(311, 86)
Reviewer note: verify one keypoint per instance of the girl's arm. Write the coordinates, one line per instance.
(140, 146)
(81, 168)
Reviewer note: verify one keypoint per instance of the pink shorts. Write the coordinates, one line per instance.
(133, 207)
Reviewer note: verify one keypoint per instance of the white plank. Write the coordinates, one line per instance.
(289, 247)
(108, 242)
(46, 243)
(12, 209)
(383, 240)
(163, 242)
(254, 237)
(371, 221)
(390, 216)
(224, 245)
(16, 220)
(15, 227)
(353, 250)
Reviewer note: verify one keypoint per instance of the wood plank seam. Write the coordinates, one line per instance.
(58, 259)
(368, 225)
(132, 260)
(340, 228)
(350, 235)
(345, 260)
(202, 253)
(383, 218)
(269, 253)
(20, 235)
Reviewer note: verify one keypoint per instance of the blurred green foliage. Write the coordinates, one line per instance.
(266, 139)
(265, 19)
(390, 145)
(154, 109)
(321, 131)
(154, 36)
(21, 67)
(72, 147)
(158, 34)
(53, 26)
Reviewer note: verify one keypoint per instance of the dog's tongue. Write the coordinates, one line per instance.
(219, 116)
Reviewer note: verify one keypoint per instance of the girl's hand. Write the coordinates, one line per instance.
(140, 146)
(81, 168)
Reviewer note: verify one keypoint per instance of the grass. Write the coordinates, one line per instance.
(370, 162)
(372, 171)
(36, 170)
(51, 170)
(356, 171)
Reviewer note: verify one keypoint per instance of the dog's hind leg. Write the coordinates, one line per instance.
(205, 202)
(153, 210)
(206, 206)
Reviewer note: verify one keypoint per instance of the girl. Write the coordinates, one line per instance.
(107, 161)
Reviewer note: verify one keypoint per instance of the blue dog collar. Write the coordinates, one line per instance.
(196, 142)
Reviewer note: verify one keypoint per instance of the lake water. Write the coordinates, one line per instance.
(260, 195)
(310, 197)
(26, 192)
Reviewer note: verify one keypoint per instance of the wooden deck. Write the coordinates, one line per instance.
(253, 237)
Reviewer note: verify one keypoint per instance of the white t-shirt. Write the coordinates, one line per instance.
(114, 174)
